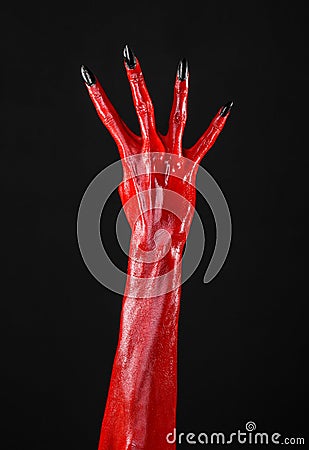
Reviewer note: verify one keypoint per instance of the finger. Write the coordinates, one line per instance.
(207, 140)
(178, 115)
(107, 113)
(141, 98)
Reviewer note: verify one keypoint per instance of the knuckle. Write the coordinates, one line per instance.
(144, 108)
(216, 125)
(96, 95)
(179, 118)
(141, 108)
(108, 120)
(136, 77)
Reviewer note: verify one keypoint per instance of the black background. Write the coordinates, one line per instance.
(242, 337)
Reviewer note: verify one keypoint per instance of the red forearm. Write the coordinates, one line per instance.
(141, 404)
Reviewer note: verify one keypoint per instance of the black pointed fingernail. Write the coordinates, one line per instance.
(183, 69)
(129, 57)
(226, 109)
(87, 75)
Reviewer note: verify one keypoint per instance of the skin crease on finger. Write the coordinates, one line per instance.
(158, 196)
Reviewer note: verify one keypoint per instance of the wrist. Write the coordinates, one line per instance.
(154, 267)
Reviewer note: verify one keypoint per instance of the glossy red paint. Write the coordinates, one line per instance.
(158, 195)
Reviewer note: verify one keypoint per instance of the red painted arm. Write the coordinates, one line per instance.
(141, 404)
(158, 196)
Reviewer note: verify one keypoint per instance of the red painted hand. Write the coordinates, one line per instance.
(144, 169)
(158, 195)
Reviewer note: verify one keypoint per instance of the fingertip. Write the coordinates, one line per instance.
(129, 57)
(183, 69)
(225, 110)
(88, 77)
